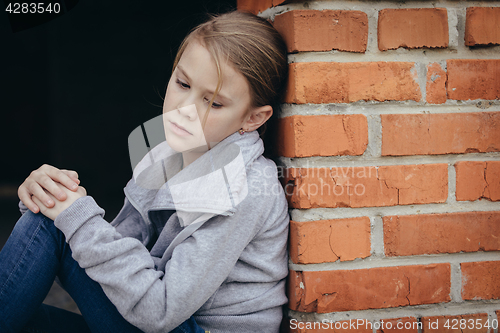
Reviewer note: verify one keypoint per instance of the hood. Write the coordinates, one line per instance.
(214, 184)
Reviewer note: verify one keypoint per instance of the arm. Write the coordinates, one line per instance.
(152, 300)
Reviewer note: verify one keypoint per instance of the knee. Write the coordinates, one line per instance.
(30, 222)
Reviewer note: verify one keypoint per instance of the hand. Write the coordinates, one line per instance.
(59, 206)
(44, 180)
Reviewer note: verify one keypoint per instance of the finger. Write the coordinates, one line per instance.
(41, 193)
(72, 174)
(25, 197)
(61, 177)
(51, 185)
(82, 190)
(40, 204)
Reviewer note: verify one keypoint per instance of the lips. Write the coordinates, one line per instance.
(179, 128)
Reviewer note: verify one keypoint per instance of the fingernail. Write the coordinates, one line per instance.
(49, 202)
(60, 195)
(74, 186)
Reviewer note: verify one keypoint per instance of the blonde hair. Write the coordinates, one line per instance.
(253, 47)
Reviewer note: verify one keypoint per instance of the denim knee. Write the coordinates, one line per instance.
(30, 224)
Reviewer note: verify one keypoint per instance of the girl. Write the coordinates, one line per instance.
(200, 243)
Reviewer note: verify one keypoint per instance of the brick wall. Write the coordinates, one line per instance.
(390, 142)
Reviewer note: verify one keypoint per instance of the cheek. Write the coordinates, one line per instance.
(169, 95)
(165, 103)
(201, 113)
(209, 124)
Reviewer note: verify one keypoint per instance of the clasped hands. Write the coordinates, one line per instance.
(50, 190)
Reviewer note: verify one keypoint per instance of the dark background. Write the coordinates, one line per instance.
(72, 89)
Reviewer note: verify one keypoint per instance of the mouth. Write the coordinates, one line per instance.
(179, 129)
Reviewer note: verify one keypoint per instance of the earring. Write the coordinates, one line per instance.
(241, 130)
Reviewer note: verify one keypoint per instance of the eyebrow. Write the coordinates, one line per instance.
(225, 98)
(183, 72)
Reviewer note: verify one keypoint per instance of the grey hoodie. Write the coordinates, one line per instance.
(210, 242)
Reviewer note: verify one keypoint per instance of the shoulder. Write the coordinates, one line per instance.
(262, 175)
(265, 191)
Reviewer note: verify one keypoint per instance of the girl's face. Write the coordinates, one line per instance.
(189, 92)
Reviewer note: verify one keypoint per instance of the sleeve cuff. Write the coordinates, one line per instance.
(22, 207)
(76, 215)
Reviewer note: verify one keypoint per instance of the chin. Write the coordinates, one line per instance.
(177, 144)
(183, 145)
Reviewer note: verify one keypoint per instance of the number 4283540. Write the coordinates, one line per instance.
(470, 324)
(33, 8)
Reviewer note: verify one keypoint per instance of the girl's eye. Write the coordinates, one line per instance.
(183, 85)
(214, 104)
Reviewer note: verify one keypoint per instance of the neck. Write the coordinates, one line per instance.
(190, 157)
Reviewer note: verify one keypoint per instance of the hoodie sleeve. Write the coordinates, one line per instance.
(22, 207)
(154, 301)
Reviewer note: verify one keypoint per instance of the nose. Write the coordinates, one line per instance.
(189, 111)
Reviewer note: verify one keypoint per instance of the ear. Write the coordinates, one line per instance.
(257, 117)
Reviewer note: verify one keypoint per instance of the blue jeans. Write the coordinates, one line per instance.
(35, 253)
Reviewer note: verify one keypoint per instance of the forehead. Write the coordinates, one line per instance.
(198, 64)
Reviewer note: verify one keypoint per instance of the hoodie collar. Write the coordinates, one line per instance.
(215, 183)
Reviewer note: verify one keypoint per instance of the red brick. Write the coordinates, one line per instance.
(406, 235)
(301, 136)
(436, 84)
(373, 288)
(440, 133)
(478, 180)
(470, 181)
(471, 323)
(345, 326)
(412, 28)
(473, 79)
(399, 325)
(329, 240)
(492, 176)
(256, 6)
(366, 186)
(333, 82)
(482, 26)
(417, 184)
(480, 280)
(314, 30)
